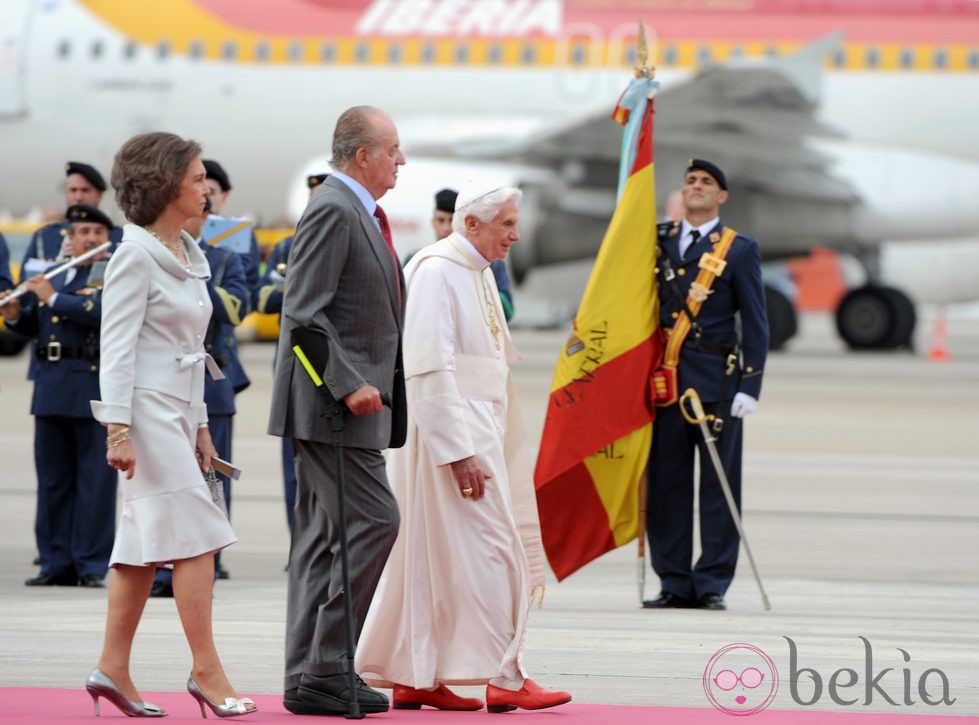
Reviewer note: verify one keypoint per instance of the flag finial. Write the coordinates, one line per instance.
(642, 55)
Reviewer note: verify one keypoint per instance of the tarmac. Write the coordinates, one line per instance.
(861, 506)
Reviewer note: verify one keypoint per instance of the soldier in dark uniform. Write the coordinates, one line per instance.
(267, 300)
(6, 278)
(83, 185)
(229, 298)
(76, 498)
(713, 274)
(220, 186)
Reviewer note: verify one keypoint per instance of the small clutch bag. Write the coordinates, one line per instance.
(216, 487)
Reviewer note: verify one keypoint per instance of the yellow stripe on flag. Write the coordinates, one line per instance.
(617, 471)
(620, 296)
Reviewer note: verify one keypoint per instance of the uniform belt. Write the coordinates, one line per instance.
(702, 344)
(55, 351)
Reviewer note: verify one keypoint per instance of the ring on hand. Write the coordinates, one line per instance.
(467, 491)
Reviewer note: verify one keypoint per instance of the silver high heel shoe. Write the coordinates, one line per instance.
(232, 707)
(99, 685)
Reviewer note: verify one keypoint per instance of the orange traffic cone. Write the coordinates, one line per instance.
(939, 346)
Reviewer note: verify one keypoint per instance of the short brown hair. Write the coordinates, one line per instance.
(147, 173)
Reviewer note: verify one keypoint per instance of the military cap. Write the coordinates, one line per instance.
(86, 213)
(445, 200)
(712, 169)
(216, 171)
(314, 180)
(89, 172)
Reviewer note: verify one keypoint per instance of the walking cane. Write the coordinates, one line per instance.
(700, 418)
(312, 349)
(641, 554)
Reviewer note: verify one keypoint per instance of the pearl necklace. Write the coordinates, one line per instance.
(175, 248)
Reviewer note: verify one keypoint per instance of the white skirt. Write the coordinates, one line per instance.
(168, 513)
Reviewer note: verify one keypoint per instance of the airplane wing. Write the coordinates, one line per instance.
(752, 118)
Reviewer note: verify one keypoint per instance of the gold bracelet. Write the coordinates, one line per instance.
(118, 437)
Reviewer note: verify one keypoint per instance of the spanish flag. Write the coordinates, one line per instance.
(598, 428)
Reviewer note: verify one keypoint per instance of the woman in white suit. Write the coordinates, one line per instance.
(155, 312)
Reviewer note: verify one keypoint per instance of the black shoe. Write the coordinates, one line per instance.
(330, 695)
(222, 573)
(52, 580)
(665, 600)
(292, 703)
(712, 601)
(161, 589)
(92, 581)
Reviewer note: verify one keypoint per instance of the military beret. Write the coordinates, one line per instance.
(713, 170)
(314, 180)
(89, 172)
(216, 171)
(86, 213)
(445, 200)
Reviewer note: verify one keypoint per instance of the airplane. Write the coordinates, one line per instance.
(842, 123)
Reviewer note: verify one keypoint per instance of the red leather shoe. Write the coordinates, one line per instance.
(529, 697)
(408, 698)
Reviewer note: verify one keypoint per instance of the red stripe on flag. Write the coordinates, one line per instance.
(644, 147)
(613, 400)
(573, 534)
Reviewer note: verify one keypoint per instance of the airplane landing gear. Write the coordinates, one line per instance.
(875, 317)
(783, 322)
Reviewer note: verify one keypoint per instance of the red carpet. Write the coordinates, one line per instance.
(41, 706)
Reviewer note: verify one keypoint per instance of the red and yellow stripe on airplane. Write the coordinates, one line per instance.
(901, 35)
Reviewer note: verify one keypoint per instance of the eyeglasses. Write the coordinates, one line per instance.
(728, 680)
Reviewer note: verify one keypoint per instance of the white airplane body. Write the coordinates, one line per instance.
(847, 142)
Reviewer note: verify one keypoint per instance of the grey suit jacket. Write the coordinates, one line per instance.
(343, 283)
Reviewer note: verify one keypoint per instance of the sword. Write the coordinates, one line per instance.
(700, 418)
(74, 262)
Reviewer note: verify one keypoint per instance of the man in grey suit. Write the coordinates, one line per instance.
(344, 283)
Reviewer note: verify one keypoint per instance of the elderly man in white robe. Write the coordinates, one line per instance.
(453, 601)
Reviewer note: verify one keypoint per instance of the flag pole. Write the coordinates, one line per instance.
(642, 70)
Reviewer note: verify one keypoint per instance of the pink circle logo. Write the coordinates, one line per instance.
(740, 679)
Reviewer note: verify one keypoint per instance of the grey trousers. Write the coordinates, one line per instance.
(315, 627)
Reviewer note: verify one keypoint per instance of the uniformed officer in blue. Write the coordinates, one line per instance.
(709, 279)
(229, 298)
(6, 278)
(76, 495)
(219, 184)
(267, 300)
(83, 185)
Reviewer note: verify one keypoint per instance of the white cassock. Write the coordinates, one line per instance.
(453, 600)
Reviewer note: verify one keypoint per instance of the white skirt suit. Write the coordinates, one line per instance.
(155, 314)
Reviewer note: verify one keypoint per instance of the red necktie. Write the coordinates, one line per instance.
(382, 221)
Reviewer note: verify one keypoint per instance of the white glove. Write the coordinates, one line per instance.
(743, 405)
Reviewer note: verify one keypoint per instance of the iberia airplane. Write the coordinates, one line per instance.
(843, 123)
